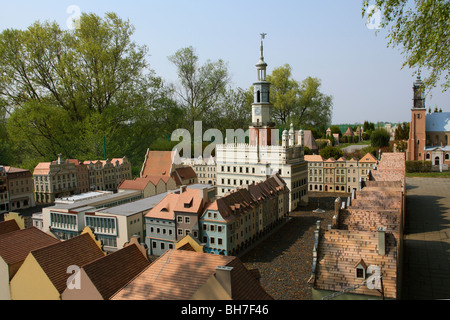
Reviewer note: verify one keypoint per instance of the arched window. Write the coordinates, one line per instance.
(447, 156)
(428, 156)
(258, 96)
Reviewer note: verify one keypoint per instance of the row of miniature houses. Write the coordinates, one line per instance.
(36, 266)
(224, 226)
(358, 256)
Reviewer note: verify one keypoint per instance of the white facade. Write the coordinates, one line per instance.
(240, 164)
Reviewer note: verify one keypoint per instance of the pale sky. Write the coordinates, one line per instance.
(323, 38)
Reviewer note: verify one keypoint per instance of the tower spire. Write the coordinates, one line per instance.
(262, 65)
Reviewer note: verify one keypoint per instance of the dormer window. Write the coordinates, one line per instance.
(360, 270)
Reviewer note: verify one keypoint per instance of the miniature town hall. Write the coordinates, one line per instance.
(240, 164)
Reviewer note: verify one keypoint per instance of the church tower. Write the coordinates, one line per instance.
(260, 131)
(417, 133)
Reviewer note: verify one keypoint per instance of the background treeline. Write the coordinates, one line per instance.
(67, 91)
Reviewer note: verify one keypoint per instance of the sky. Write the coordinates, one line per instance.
(327, 39)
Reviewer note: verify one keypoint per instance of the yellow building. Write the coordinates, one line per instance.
(366, 164)
(47, 272)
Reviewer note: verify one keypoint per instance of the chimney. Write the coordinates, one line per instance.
(224, 276)
(382, 241)
(182, 189)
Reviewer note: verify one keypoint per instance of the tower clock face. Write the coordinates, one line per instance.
(258, 111)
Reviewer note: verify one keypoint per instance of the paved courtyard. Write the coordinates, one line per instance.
(427, 239)
(284, 259)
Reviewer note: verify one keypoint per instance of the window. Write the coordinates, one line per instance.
(187, 220)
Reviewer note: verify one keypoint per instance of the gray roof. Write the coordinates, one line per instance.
(78, 202)
(135, 207)
(438, 122)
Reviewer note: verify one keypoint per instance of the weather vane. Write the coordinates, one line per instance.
(263, 35)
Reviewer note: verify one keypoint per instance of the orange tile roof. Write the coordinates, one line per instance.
(42, 168)
(136, 184)
(55, 259)
(368, 158)
(313, 158)
(110, 273)
(8, 226)
(15, 246)
(179, 274)
(158, 163)
(189, 201)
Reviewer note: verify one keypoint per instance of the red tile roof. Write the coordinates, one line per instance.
(8, 226)
(15, 246)
(55, 259)
(179, 274)
(182, 174)
(110, 273)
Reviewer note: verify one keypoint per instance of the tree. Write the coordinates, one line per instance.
(234, 112)
(200, 87)
(421, 29)
(285, 93)
(380, 138)
(402, 131)
(68, 89)
(314, 107)
(331, 152)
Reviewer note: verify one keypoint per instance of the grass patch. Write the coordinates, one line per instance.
(428, 174)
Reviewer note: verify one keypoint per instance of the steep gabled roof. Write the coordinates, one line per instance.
(55, 259)
(110, 273)
(158, 163)
(368, 158)
(15, 246)
(8, 226)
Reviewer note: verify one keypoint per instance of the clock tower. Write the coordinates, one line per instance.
(261, 129)
(417, 133)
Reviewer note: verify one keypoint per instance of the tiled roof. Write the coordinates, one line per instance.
(55, 259)
(368, 158)
(110, 273)
(16, 245)
(158, 163)
(179, 274)
(379, 204)
(181, 174)
(341, 250)
(189, 201)
(8, 226)
(42, 168)
(313, 158)
(136, 184)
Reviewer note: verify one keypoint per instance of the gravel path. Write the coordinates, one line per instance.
(285, 258)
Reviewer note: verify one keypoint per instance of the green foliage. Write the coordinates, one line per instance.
(380, 138)
(331, 152)
(69, 89)
(200, 87)
(402, 131)
(420, 28)
(418, 166)
(302, 104)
